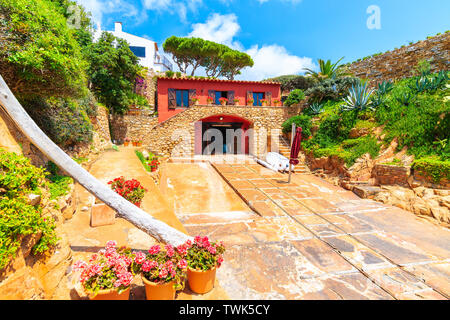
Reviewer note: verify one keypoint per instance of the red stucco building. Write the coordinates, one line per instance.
(175, 95)
(213, 123)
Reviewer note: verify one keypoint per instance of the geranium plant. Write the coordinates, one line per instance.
(132, 190)
(264, 101)
(209, 99)
(223, 100)
(154, 164)
(203, 254)
(162, 265)
(195, 99)
(236, 101)
(108, 269)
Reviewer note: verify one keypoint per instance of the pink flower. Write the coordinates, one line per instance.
(170, 251)
(147, 266)
(111, 244)
(163, 273)
(188, 244)
(126, 278)
(212, 250)
(79, 265)
(182, 249)
(154, 250)
(182, 264)
(219, 262)
(140, 258)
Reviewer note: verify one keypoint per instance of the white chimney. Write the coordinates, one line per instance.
(118, 27)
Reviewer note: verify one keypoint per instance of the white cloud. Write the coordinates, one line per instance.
(218, 28)
(270, 60)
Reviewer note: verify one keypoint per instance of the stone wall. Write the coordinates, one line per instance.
(135, 127)
(391, 175)
(399, 63)
(170, 138)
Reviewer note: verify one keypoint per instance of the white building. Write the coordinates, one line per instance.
(146, 50)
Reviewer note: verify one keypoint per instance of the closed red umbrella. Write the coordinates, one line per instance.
(296, 145)
(295, 150)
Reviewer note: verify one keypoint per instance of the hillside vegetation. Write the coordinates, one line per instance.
(415, 110)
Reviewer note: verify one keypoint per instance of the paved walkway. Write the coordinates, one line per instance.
(313, 240)
(305, 240)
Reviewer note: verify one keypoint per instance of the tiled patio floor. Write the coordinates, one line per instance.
(312, 240)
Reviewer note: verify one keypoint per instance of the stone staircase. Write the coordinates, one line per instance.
(285, 150)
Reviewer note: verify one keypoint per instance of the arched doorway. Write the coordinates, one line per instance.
(223, 134)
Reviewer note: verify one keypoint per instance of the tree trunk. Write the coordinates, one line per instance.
(142, 220)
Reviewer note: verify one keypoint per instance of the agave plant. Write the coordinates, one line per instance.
(405, 98)
(359, 98)
(378, 100)
(316, 108)
(385, 87)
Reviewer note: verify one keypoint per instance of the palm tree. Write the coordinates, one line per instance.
(328, 70)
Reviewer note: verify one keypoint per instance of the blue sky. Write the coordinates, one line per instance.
(282, 36)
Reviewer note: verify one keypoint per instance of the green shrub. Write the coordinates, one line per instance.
(17, 218)
(59, 186)
(331, 89)
(39, 54)
(296, 96)
(434, 168)
(64, 120)
(303, 121)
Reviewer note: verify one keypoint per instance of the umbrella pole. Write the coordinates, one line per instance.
(292, 142)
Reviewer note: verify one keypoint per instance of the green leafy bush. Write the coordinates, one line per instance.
(296, 96)
(303, 121)
(18, 218)
(331, 89)
(434, 168)
(64, 120)
(39, 53)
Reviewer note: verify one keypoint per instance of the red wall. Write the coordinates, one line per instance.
(202, 86)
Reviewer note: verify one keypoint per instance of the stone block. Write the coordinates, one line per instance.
(102, 215)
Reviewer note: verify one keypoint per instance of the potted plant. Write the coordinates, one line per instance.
(209, 100)
(107, 275)
(195, 100)
(126, 142)
(250, 102)
(223, 101)
(131, 190)
(163, 271)
(236, 102)
(276, 102)
(139, 143)
(204, 258)
(154, 164)
(264, 102)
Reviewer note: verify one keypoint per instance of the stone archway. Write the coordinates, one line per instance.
(223, 134)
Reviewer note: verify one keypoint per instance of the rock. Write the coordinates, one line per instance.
(366, 192)
(34, 199)
(102, 215)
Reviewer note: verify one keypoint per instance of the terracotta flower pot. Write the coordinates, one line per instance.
(155, 291)
(126, 144)
(111, 295)
(201, 281)
(224, 103)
